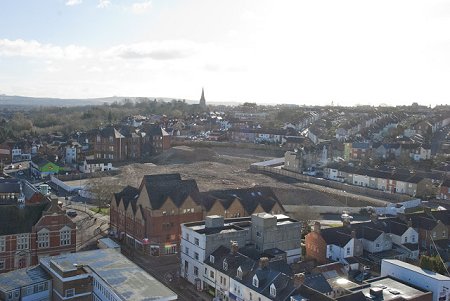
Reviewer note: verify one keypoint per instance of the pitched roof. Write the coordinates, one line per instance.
(335, 237)
(161, 187)
(250, 198)
(14, 220)
(127, 195)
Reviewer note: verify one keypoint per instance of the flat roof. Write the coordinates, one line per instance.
(125, 278)
(391, 288)
(416, 269)
(23, 277)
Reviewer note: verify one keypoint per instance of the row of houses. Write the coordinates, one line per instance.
(394, 182)
(366, 150)
(149, 217)
(404, 238)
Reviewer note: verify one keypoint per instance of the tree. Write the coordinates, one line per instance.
(102, 190)
(433, 263)
(306, 215)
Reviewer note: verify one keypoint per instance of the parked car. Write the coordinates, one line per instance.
(72, 213)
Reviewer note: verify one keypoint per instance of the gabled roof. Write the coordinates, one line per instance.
(250, 198)
(369, 233)
(127, 195)
(336, 237)
(161, 187)
(110, 131)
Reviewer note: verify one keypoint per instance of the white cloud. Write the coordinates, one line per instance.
(34, 49)
(103, 3)
(141, 7)
(157, 50)
(73, 2)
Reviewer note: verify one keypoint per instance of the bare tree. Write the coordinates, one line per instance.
(306, 215)
(102, 190)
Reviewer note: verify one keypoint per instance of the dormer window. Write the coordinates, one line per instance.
(211, 258)
(255, 281)
(239, 273)
(225, 265)
(273, 290)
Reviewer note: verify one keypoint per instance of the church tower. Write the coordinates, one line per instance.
(202, 100)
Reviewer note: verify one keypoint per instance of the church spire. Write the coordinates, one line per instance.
(202, 99)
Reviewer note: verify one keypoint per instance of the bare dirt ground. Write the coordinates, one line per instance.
(227, 168)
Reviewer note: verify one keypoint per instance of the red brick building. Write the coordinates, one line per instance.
(316, 247)
(28, 232)
(128, 143)
(149, 218)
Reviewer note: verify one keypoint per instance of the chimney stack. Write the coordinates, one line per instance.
(263, 262)
(427, 210)
(234, 247)
(299, 279)
(316, 227)
(374, 217)
(409, 223)
(353, 234)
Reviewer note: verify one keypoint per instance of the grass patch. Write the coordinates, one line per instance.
(103, 211)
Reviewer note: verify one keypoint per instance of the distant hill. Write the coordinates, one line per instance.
(6, 100)
(21, 101)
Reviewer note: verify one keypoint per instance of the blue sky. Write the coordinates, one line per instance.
(304, 52)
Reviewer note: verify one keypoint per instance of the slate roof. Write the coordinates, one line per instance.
(155, 130)
(23, 277)
(335, 237)
(161, 187)
(14, 220)
(110, 131)
(127, 195)
(9, 186)
(397, 228)
(250, 198)
(369, 233)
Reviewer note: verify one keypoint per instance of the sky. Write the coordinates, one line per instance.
(317, 52)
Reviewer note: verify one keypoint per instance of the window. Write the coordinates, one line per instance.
(22, 241)
(186, 250)
(196, 241)
(2, 244)
(258, 234)
(273, 290)
(250, 296)
(70, 292)
(211, 258)
(406, 239)
(2, 265)
(413, 238)
(43, 239)
(196, 255)
(195, 271)
(64, 237)
(255, 281)
(211, 274)
(348, 251)
(187, 235)
(225, 265)
(443, 233)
